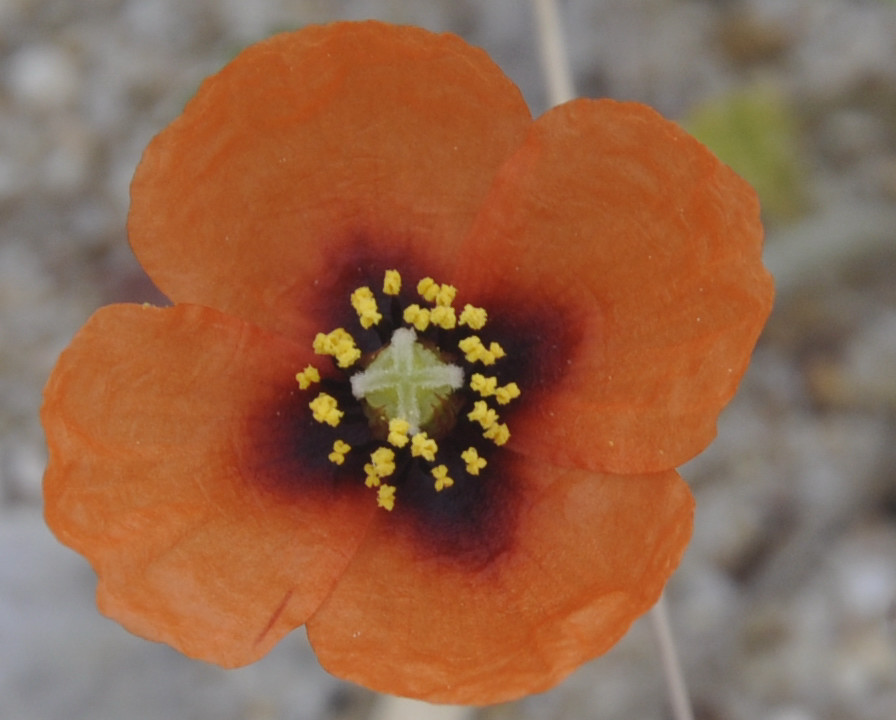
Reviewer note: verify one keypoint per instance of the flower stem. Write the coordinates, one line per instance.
(388, 707)
(553, 52)
(662, 631)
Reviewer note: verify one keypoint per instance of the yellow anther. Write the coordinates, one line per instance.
(497, 433)
(385, 497)
(340, 448)
(325, 409)
(428, 289)
(485, 386)
(383, 459)
(482, 414)
(472, 348)
(307, 376)
(365, 305)
(440, 473)
(473, 461)
(506, 393)
(424, 446)
(398, 432)
(338, 343)
(372, 480)
(473, 317)
(443, 316)
(475, 351)
(445, 296)
(417, 316)
(392, 282)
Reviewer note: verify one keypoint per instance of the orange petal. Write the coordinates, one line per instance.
(362, 137)
(644, 250)
(173, 469)
(586, 556)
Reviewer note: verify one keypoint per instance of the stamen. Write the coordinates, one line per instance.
(428, 289)
(383, 461)
(498, 433)
(416, 316)
(398, 432)
(365, 305)
(473, 461)
(473, 317)
(443, 316)
(424, 446)
(485, 386)
(340, 448)
(325, 409)
(440, 473)
(392, 282)
(372, 480)
(475, 351)
(338, 343)
(482, 414)
(506, 393)
(385, 497)
(445, 295)
(307, 376)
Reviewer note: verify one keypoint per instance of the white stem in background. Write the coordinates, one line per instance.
(678, 692)
(388, 707)
(553, 52)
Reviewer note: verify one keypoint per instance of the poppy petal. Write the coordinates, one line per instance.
(409, 622)
(360, 136)
(157, 475)
(647, 250)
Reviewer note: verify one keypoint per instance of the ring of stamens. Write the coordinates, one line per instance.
(413, 390)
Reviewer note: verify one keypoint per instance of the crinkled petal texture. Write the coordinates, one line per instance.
(147, 417)
(649, 250)
(590, 554)
(360, 136)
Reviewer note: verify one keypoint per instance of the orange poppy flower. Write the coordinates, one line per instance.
(428, 372)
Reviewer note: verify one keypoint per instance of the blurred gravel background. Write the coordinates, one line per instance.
(785, 606)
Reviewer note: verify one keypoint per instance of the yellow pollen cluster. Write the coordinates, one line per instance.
(473, 317)
(416, 316)
(307, 376)
(488, 386)
(506, 393)
(482, 414)
(398, 432)
(475, 351)
(487, 418)
(382, 464)
(424, 446)
(325, 409)
(498, 433)
(485, 386)
(385, 497)
(443, 316)
(428, 289)
(340, 449)
(365, 305)
(440, 473)
(392, 282)
(338, 343)
(473, 461)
